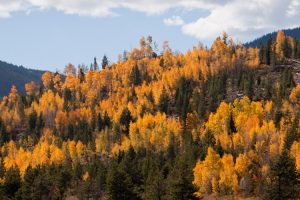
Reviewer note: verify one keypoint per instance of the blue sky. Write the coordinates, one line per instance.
(48, 34)
(51, 39)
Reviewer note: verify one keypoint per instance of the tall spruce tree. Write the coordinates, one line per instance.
(284, 179)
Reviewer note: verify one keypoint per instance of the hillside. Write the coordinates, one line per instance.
(16, 75)
(219, 122)
(263, 39)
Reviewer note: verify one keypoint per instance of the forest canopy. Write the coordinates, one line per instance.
(214, 121)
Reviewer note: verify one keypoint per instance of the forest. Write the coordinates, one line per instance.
(218, 122)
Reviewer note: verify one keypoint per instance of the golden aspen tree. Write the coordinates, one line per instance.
(279, 41)
(57, 82)
(228, 182)
(252, 60)
(61, 122)
(167, 55)
(23, 160)
(295, 95)
(47, 79)
(11, 151)
(295, 151)
(241, 165)
(13, 95)
(70, 70)
(154, 132)
(56, 154)
(30, 88)
(207, 172)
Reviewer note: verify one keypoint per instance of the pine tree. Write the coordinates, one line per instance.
(135, 76)
(125, 120)
(291, 134)
(263, 54)
(99, 122)
(25, 191)
(106, 120)
(163, 103)
(179, 182)
(81, 74)
(12, 182)
(286, 48)
(118, 184)
(199, 102)
(104, 62)
(182, 97)
(154, 186)
(32, 122)
(3, 134)
(284, 179)
(207, 140)
(95, 64)
(270, 56)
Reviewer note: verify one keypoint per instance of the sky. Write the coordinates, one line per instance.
(49, 34)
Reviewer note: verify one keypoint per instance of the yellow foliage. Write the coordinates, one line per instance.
(279, 40)
(228, 182)
(44, 153)
(241, 165)
(295, 95)
(85, 176)
(207, 171)
(295, 151)
(47, 79)
(154, 132)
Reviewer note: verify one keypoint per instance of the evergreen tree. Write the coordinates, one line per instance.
(207, 140)
(232, 128)
(118, 184)
(267, 93)
(106, 120)
(163, 103)
(135, 76)
(248, 85)
(12, 182)
(182, 97)
(81, 74)
(104, 62)
(291, 135)
(95, 64)
(284, 179)
(83, 132)
(32, 120)
(285, 83)
(3, 134)
(263, 54)
(125, 119)
(270, 56)
(179, 182)
(26, 189)
(99, 122)
(154, 186)
(171, 151)
(199, 103)
(286, 48)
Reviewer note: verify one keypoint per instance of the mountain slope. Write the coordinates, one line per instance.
(16, 75)
(263, 39)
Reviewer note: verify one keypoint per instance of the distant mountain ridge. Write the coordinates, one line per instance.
(16, 75)
(295, 32)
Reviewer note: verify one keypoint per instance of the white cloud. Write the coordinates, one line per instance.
(102, 8)
(246, 19)
(241, 19)
(6, 7)
(174, 21)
